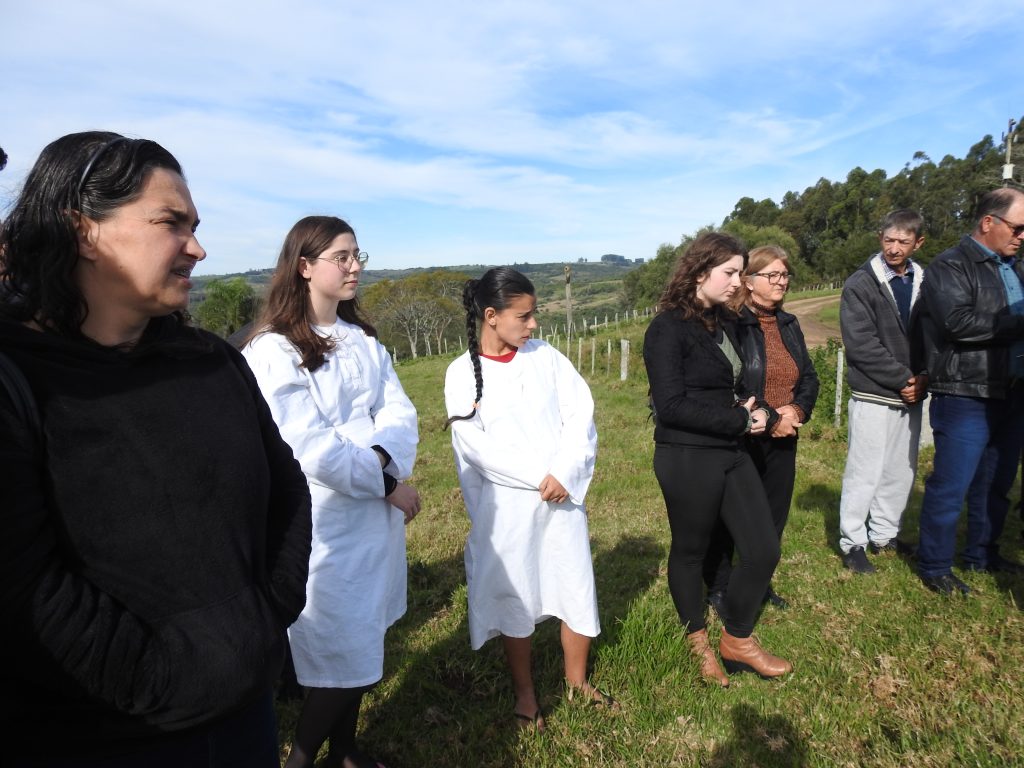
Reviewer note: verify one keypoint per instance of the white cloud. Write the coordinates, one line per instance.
(559, 130)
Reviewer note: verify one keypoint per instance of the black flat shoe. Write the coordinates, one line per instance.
(771, 597)
(716, 599)
(526, 722)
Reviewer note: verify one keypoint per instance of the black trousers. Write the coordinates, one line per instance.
(705, 487)
(775, 460)
(245, 739)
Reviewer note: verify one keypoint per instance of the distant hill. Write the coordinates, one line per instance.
(596, 285)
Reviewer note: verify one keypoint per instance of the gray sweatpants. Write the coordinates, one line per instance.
(881, 461)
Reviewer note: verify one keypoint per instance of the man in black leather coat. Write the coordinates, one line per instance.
(973, 326)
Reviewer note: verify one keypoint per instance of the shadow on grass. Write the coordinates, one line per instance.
(453, 705)
(824, 498)
(622, 573)
(765, 740)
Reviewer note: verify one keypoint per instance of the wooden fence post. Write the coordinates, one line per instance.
(624, 360)
(839, 387)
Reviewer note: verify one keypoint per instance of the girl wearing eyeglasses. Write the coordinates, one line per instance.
(778, 370)
(338, 402)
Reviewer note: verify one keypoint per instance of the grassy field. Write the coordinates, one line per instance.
(829, 315)
(886, 673)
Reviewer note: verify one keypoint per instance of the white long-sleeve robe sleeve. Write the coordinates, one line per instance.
(327, 452)
(560, 431)
(394, 420)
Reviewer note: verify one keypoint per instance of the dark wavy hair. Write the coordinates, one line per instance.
(287, 309)
(701, 256)
(90, 174)
(496, 288)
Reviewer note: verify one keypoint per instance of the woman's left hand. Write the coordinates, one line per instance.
(552, 490)
(758, 421)
(785, 427)
(788, 423)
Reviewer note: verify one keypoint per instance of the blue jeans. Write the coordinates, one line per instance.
(977, 449)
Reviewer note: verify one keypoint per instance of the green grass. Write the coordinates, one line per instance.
(812, 294)
(886, 673)
(829, 315)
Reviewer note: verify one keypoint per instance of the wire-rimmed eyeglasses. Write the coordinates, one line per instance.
(344, 260)
(775, 278)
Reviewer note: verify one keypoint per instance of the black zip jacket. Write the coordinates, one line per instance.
(966, 323)
(805, 394)
(151, 562)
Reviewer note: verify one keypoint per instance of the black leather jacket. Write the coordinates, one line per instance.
(805, 394)
(966, 323)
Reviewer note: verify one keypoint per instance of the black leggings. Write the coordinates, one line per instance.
(327, 714)
(703, 486)
(775, 460)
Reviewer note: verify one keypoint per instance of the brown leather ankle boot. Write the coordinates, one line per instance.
(709, 668)
(743, 654)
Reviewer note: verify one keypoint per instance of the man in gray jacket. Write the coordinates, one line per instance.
(887, 386)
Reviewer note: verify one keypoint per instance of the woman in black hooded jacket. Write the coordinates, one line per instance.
(155, 538)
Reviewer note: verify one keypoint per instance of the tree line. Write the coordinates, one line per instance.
(830, 228)
(415, 315)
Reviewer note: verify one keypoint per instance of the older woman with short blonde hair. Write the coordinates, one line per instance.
(778, 369)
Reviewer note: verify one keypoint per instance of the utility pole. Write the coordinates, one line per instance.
(1010, 139)
(568, 306)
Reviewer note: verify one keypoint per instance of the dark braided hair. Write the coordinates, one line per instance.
(495, 289)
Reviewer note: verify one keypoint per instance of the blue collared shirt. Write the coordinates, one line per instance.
(1015, 301)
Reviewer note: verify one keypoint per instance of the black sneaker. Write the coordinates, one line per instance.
(903, 549)
(878, 549)
(857, 561)
(946, 584)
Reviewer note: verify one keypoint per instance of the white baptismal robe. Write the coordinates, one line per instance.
(357, 569)
(526, 559)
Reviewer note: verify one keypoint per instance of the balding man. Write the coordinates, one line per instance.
(973, 324)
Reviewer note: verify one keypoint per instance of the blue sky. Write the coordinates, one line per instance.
(468, 132)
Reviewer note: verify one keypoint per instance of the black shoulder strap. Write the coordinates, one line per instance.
(13, 380)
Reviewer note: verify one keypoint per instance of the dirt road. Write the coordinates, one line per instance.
(816, 332)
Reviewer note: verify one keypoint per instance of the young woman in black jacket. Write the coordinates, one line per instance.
(702, 415)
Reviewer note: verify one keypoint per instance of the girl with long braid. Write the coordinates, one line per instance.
(525, 446)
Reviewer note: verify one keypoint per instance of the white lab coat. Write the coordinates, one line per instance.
(357, 569)
(526, 559)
